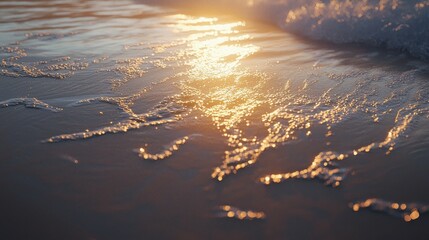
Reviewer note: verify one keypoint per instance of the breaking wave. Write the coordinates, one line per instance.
(390, 24)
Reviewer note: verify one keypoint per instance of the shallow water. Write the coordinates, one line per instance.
(122, 120)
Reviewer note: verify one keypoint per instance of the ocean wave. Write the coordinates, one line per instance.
(390, 24)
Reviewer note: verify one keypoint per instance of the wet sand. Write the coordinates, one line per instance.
(129, 121)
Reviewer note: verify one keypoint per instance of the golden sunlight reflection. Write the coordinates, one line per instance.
(407, 211)
(217, 79)
(172, 147)
(236, 113)
(224, 90)
(227, 211)
(214, 47)
(235, 97)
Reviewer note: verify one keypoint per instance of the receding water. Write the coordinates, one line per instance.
(121, 120)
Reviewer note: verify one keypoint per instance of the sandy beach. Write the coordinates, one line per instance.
(146, 120)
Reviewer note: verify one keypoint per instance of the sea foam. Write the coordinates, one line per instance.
(390, 24)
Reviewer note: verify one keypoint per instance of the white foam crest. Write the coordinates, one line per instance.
(407, 211)
(163, 113)
(169, 150)
(29, 103)
(324, 166)
(227, 211)
(394, 24)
